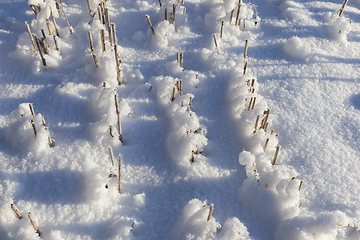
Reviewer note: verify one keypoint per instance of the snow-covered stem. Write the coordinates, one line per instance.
(238, 12)
(102, 36)
(266, 143)
(222, 29)
(245, 66)
(117, 62)
(210, 212)
(16, 211)
(253, 104)
(55, 42)
(165, 14)
(256, 123)
(173, 14)
(148, 20)
(118, 117)
(113, 30)
(119, 173)
(38, 46)
(33, 8)
(44, 44)
(246, 47)
(92, 48)
(107, 16)
(112, 156)
(89, 7)
(342, 8)
(48, 26)
(276, 155)
(182, 60)
(54, 21)
(100, 15)
(31, 109)
(34, 224)
(173, 95)
(231, 16)
(215, 41)
(31, 37)
(67, 21)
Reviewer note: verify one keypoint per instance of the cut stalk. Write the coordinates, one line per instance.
(210, 212)
(301, 183)
(51, 144)
(266, 127)
(100, 13)
(45, 46)
(118, 117)
(31, 37)
(119, 174)
(92, 48)
(107, 15)
(118, 70)
(102, 35)
(33, 8)
(265, 118)
(173, 15)
(256, 123)
(173, 95)
(34, 224)
(56, 45)
(222, 28)
(181, 60)
(110, 129)
(89, 7)
(16, 211)
(190, 101)
(266, 143)
(113, 30)
(102, 6)
(33, 126)
(178, 57)
(48, 26)
(165, 14)
(112, 156)
(276, 155)
(54, 21)
(31, 109)
(342, 8)
(251, 100)
(215, 41)
(246, 47)
(238, 12)
(231, 16)
(41, 55)
(148, 20)
(253, 104)
(160, 3)
(180, 86)
(245, 66)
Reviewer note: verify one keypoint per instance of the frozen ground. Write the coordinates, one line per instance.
(193, 153)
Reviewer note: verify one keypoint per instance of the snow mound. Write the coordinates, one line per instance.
(295, 47)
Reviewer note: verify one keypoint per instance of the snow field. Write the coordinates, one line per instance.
(92, 209)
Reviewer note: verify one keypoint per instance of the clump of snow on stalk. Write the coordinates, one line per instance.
(20, 132)
(326, 225)
(193, 223)
(295, 47)
(196, 222)
(337, 27)
(102, 109)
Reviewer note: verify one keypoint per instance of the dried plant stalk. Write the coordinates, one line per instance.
(231, 16)
(173, 14)
(45, 46)
(266, 143)
(160, 3)
(301, 183)
(107, 15)
(148, 20)
(41, 55)
(102, 35)
(55, 42)
(165, 14)
(113, 30)
(34, 224)
(215, 41)
(67, 21)
(181, 60)
(92, 48)
(342, 8)
(112, 156)
(33, 126)
(173, 95)
(31, 109)
(31, 37)
(253, 104)
(117, 60)
(16, 211)
(251, 100)
(43, 33)
(54, 21)
(222, 29)
(119, 173)
(48, 26)
(88, 2)
(245, 66)
(238, 12)
(100, 15)
(118, 117)
(178, 57)
(276, 155)
(246, 47)
(33, 8)
(210, 212)
(256, 123)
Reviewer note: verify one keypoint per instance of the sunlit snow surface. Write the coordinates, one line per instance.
(193, 159)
